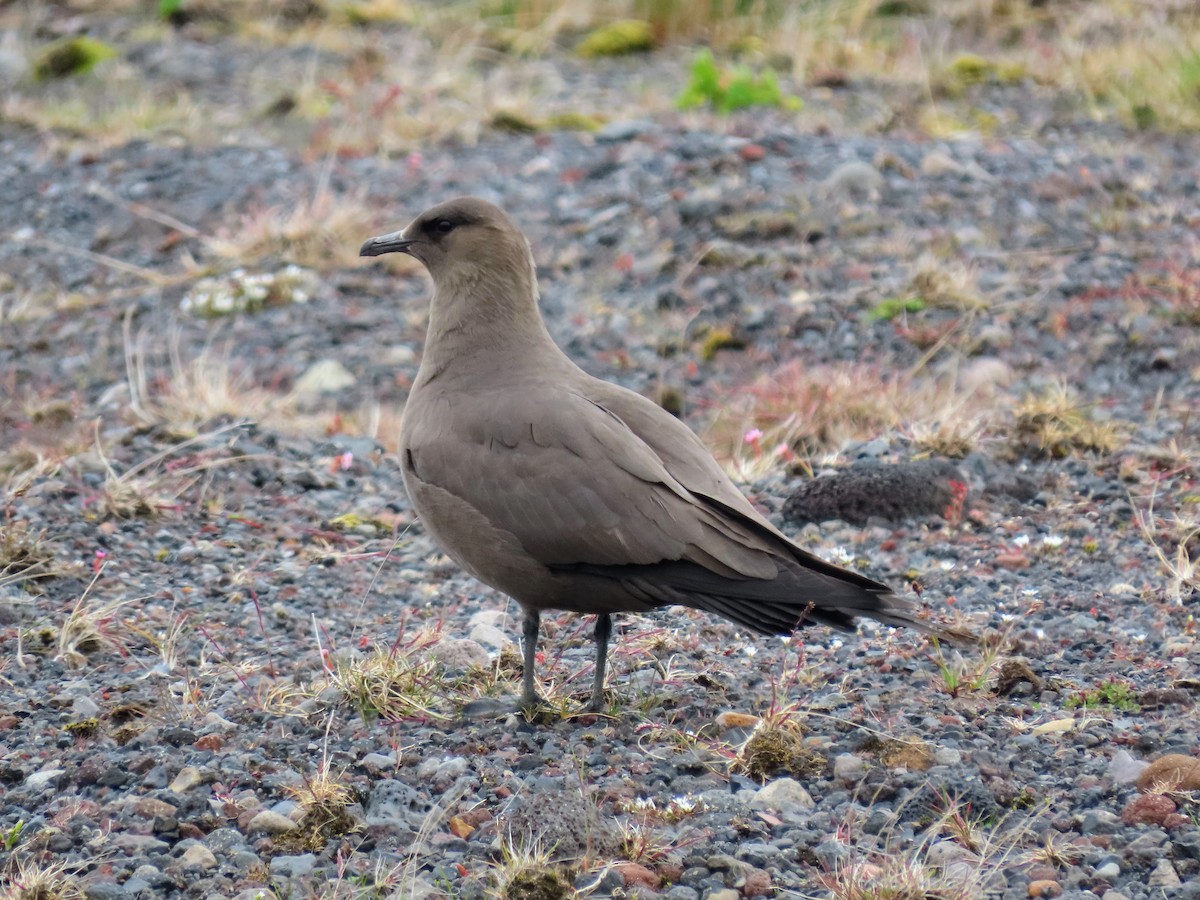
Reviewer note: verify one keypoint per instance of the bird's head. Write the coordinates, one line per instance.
(461, 242)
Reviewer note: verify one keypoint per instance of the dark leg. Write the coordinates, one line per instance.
(603, 633)
(529, 694)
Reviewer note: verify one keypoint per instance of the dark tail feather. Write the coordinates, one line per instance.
(799, 596)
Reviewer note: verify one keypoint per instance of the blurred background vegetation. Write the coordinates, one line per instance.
(386, 76)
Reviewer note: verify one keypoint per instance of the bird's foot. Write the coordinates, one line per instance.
(597, 704)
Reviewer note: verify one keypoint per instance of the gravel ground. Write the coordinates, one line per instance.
(178, 714)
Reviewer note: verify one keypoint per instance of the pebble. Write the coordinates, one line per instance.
(783, 795)
(848, 767)
(188, 778)
(1124, 769)
(293, 866)
(1163, 875)
(199, 856)
(270, 822)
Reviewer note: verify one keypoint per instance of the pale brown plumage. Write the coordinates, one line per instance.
(567, 492)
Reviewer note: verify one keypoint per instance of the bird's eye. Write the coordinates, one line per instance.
(443, 226)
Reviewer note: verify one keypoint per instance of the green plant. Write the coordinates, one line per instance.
(1114, 694)
(728, 90)
(72, 56)
(618, 39)
(12, 836)
(888, 309)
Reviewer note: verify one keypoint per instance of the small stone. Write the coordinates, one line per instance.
(198, 856)
(85, 708)
(1114, 895)
(269, 822)
(852, 180)
(782, 795)
(44, 777)
(149, 808)
(188, 778)
(1164, 875)
(325, 376)
(1100, 821)
(848, 767)
(636, 875)
(1124, 769)
(936, 163)
(1173, 772)
(731, 719)
(947, 756)
(725, 894)
(1045, 888)
(1147, 809)
(1109, 870)
(460, 654)
(757, 883)
(293, 866)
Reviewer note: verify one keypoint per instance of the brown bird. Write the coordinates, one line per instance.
(567, 492)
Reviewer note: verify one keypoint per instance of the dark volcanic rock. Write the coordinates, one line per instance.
(895, 492)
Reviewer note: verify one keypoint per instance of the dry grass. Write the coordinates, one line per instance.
(25, 555)
(392, 683)
(799, 412)
(1055, 423)
(1182, 565)
(28, 879)
(324, 803)
(955, 858)
(527, 872)
(90, 626)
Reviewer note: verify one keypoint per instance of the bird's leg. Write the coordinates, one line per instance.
(529, 694)
(603, 633)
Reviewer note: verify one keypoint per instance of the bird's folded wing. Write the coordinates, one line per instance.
(573, 484)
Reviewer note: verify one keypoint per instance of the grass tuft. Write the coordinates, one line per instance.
(1054, 424)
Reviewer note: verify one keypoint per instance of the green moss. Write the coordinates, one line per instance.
(72, 56)
(618, 39)
(538, 883)
(1113, 694)
(726, 90)
(514, 122)
(719, 339)
(84, 728)
(573, 121)
(970, 69)
(894, 306)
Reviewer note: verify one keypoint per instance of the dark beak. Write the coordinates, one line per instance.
(395, 242)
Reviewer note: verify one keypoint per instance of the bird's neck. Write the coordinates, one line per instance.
(474, 319)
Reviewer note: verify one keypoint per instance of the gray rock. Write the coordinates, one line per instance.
(270, 822)
(394, 801)
(895, 492)
(84, 708)
(293, 866)
(948, 756)
(621, 131)
(560, 821)
(848, 767)
(1124, 769)
(325, 376)
(852, 180)
(1164, 875)
(1100, 821)
(1109, 870)
(784, 795)
(832, 854)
